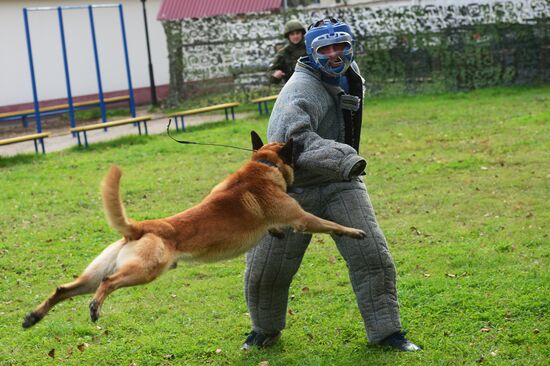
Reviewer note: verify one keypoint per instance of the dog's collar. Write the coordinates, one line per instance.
(267, 162)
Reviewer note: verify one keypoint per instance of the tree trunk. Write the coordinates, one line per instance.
(173, 30)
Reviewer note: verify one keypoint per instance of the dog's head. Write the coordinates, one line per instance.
(283, 155)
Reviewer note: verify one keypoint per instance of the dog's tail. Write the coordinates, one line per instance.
(114, 210)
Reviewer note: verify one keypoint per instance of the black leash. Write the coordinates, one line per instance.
(200, 143)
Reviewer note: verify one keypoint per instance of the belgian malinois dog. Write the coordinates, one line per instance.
(236, 214)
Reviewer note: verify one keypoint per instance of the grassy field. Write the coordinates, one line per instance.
(461, 185)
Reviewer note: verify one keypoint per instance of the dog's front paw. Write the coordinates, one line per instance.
(356, 234)
(94, 310)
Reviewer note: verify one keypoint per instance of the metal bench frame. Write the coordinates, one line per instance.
(137, 121)
(263, 101)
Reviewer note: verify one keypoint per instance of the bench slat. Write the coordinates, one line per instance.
(204, 109)
(64, 106)
(110, 124)
(264, 99)
(14, 140)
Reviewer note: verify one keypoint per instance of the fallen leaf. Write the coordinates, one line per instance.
(133, 364)
(332, 259)
(173, 296)
(290, 312)
(415, 231)
(81, 347)
(218, 350)
(52, 353)
(427, 275)
(264, 363)
(493, 353)
(536, 331)
(168, 356)
(451, 275)
(485, 329)
(484, 168)
(305, 290)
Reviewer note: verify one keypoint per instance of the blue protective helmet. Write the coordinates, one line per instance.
(327, 32)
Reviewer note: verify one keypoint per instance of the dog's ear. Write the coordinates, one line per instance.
(286, 152)
(256, 141)
(296, 152)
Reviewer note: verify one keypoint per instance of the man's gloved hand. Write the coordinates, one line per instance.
(358, 169)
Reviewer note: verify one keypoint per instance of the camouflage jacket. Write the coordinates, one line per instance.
(285, 60)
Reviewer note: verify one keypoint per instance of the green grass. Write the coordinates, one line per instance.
(460, 182)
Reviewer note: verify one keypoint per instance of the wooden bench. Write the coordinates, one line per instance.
(137, 120)
(37, 136)
(264, 100)
(226, 107)
(58, 109)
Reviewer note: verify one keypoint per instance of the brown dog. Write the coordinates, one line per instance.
(236, 214)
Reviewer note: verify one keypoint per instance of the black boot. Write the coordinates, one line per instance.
(259, 339)
(398, 341)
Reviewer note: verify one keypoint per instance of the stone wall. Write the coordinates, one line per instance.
(241, 47)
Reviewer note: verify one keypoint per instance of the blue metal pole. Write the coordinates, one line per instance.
(33, 78)
(66, 65)
(126, 58)
(97, 69)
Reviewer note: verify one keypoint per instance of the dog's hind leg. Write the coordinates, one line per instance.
(82, 285)
(86, 283)
(139, 263)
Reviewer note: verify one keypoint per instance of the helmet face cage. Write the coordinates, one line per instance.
(325, 33)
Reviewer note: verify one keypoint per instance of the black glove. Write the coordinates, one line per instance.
(358, 169)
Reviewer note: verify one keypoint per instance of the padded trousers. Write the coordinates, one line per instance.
(272, 264)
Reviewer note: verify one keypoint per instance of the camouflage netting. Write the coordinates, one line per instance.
(400, 49)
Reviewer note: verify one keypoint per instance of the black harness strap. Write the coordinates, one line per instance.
(354, 119)
(267, 162)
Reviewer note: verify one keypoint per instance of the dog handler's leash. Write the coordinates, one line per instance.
(200, 143)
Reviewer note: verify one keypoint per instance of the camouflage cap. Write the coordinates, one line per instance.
(294, 25)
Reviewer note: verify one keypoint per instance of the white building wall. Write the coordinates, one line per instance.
(15, 81)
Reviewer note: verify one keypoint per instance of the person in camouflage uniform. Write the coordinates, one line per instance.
(284, 62)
